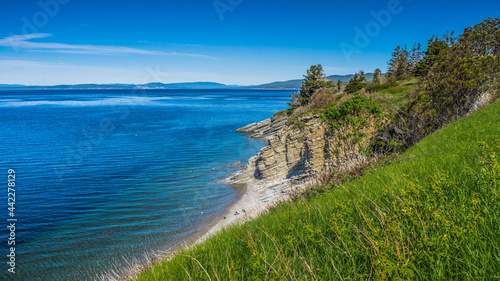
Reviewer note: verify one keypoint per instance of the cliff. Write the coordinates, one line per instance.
(267, 128)
(301, 150)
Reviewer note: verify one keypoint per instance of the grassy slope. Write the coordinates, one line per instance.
(405, 220)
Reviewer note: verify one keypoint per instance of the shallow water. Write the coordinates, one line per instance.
(105, 176)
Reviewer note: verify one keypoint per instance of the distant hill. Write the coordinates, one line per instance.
(193, 85)
(345, 78)
(290, 84)
(11, 86)
(189, 85)
(297, 83)
(85, 86)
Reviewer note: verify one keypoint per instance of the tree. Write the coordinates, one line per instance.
(399, 66)
(314, 80)
(415, 56)
(456, 74)
(362, 76)
(356, 83)
(435, 53)
(377, 76)
(339, 85)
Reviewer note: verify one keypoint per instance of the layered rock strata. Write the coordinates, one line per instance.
(304, 149)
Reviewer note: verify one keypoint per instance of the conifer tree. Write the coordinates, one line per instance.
(399, 66)
(314, 80)
(377, 76)
(435, 53)
(356, 83)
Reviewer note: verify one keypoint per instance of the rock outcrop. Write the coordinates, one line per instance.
(304, 149)
(265, 129)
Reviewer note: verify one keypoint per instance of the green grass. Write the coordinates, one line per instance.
(393, 96)
(432, 214)
(285, 112)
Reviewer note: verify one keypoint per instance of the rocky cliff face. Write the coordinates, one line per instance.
(266, 129)
(304, 149)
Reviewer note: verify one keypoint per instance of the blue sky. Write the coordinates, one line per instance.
(242, 42)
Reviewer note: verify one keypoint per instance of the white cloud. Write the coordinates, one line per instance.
(23, 41)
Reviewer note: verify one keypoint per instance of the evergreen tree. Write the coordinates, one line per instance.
(362, 77)
(435, 53)
(399, 66)
(456, 72)
(356, 83)
(339, 85)
(415, 56)
(314, 80)
(377, 76)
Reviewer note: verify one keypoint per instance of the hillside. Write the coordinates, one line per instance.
(295, 84)
(406, 171)
(422, 216)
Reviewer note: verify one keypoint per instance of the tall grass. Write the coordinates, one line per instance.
(392, 95)
(431, 214)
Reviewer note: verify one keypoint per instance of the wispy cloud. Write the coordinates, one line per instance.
(24, 41)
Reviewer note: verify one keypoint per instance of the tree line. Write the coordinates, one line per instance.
(453, 73)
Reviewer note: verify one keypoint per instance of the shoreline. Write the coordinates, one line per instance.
(245, 201)
(258, 197)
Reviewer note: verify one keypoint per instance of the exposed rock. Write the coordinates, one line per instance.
(267, 128)
(297, 153)
(235, 165)
(482, 101)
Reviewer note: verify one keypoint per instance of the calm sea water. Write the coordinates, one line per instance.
(106, 176)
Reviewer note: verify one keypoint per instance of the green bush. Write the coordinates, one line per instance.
(356, 83)
(351, 111)
(454, 80)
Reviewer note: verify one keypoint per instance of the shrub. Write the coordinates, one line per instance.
(453, 84)
(356, 83)
(351, 111)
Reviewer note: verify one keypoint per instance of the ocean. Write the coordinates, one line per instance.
(105, 177)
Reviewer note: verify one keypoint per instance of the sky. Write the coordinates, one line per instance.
(244, 42)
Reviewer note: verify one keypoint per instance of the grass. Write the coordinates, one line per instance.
(433, 213)
(285, 112)
(392, 96)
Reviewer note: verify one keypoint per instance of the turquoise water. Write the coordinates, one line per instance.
(106, 176)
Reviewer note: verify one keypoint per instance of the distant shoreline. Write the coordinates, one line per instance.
(148, 89)
(293, 84)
